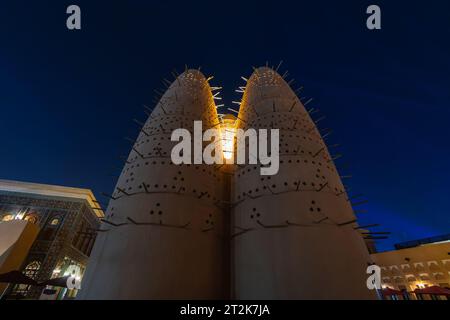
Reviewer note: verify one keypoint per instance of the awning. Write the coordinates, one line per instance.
(56, 282)
(17, 277)
(435, 290)
(391, 292)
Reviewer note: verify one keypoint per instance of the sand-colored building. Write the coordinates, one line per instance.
(416, 264)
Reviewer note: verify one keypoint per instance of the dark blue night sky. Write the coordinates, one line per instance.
(68, 98)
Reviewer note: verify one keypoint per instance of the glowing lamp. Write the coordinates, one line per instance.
(228, 133)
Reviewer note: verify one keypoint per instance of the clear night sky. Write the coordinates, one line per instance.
(68, 98)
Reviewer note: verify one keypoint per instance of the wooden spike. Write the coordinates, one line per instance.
(279, 65)
(367, 226)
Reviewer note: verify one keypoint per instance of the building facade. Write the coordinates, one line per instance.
(16, 239)
(198, 231)
(67, 219)
(416, 265)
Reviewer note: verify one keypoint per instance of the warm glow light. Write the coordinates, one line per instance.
(8, 217)
(421, 285)
(228, 131)
(228, 142)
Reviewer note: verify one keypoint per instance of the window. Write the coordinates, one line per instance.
(31, 218)
(84, 238)
(51, 229)
(32, 269)
(7, 217)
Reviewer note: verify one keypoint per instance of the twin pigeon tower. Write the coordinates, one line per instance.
(198, 231)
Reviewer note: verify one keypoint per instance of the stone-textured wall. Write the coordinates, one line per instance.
(294, 234)
(165, 221)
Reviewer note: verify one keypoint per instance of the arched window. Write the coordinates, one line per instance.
(7, 217)
(32, 269)
(55, 221)
(31, 218)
